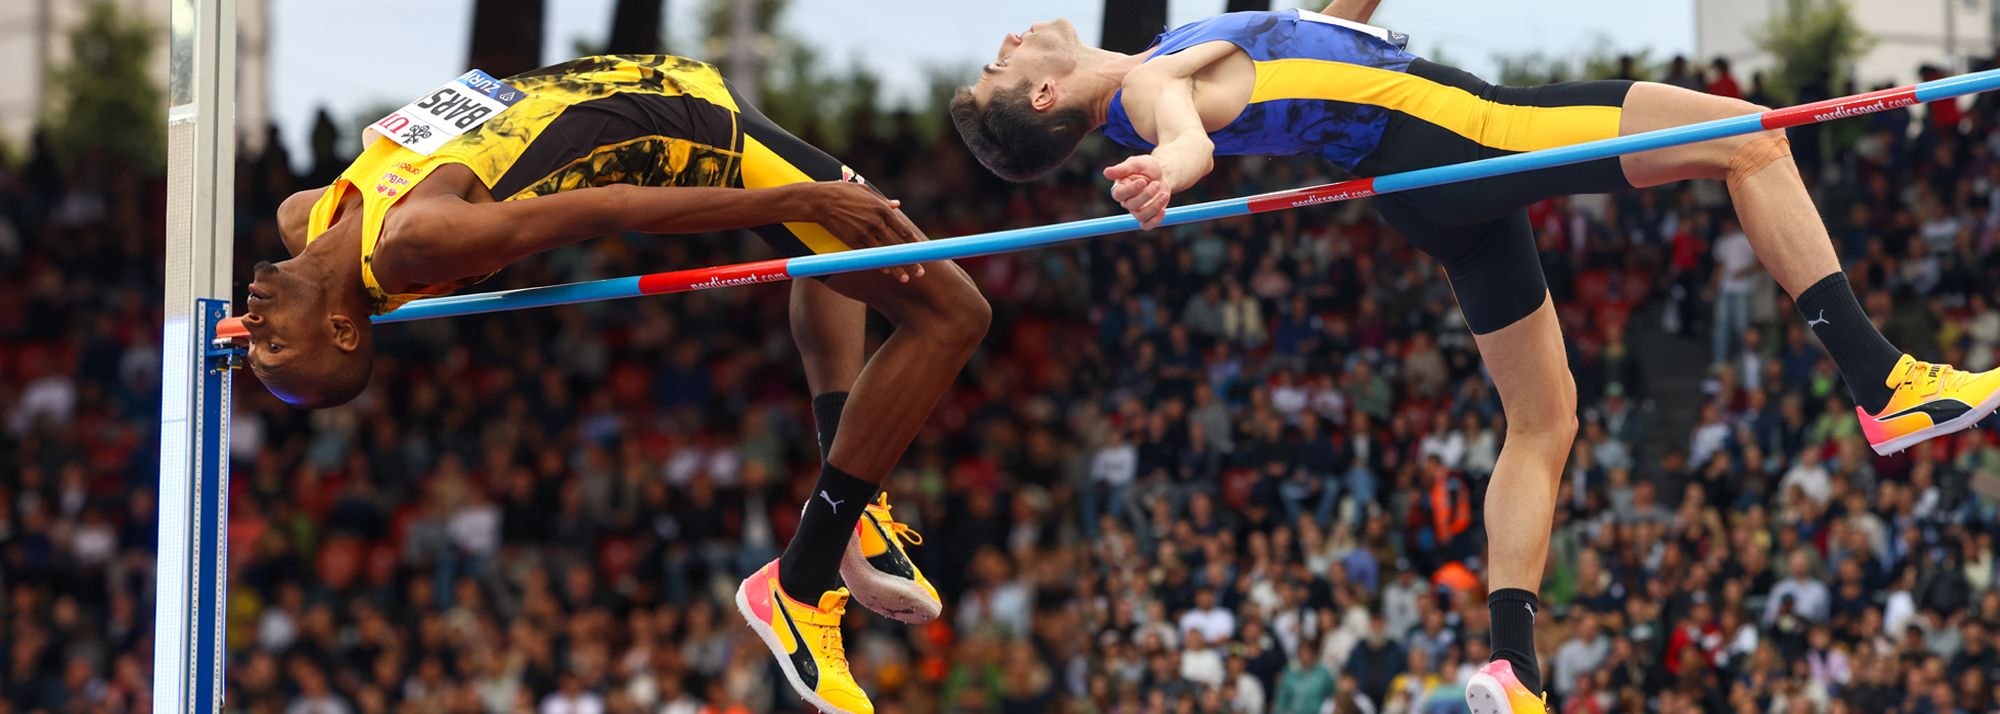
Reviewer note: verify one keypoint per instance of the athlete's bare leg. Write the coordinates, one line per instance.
(1771, 199)
(1900, 401)
(938, 320)
(1530, 369)
(831, 331)
(1528, 366)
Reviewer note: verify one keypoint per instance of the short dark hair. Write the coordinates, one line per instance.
(1012, 139)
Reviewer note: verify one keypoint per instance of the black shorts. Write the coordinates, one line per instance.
(1478, 230)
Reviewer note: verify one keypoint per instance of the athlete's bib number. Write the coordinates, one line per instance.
(459, 106)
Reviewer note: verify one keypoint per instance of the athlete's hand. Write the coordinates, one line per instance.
(1139, 184)
(862, 218)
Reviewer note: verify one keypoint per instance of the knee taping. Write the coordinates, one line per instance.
(1754, 155)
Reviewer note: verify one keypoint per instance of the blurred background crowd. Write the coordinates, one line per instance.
(1231, 467)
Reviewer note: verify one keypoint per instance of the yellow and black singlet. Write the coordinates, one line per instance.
(646, 120)
(1354, 95)
(1330, 87)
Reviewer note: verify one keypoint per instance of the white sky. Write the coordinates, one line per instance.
(415, 46)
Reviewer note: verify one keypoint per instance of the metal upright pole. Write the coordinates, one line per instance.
(191, 584)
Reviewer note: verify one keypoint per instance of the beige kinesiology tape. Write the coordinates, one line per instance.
(1754, 156)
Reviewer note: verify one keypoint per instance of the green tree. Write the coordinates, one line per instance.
(106, 98)
(1814, 43)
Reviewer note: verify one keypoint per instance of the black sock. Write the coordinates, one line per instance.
(811, 563)
(1862, 353)
(826, 418)
(1513, 613)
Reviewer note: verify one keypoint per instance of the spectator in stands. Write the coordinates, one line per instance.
(1721, 81)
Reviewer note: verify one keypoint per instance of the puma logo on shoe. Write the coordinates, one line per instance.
(1939, 411)
(1821, 320)
(802, 658)
(835, 505)
(891, 560)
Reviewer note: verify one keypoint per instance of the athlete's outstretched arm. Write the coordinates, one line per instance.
(446, 238)
(1356, 10)
(1181, 156)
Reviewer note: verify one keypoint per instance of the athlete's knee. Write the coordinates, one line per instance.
(1549, 433)
(1743, 156)
(946, 306)
(1752, 154)
(967, 314)
(1557, 420)
(1731, 158)
(1550, 419)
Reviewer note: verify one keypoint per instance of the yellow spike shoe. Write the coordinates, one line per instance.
(806, 641)
(1931, 400)
(1495, 690)
(881, 574)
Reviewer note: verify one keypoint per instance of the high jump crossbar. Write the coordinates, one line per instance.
(1008, 241)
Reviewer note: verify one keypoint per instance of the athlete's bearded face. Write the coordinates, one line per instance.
(1045, 52)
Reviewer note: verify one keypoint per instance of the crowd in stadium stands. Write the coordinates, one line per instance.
(1232, 467)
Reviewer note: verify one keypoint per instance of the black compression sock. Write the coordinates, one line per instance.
(1862, 353)
(811, 563)
(826, 418)
(1513, 613)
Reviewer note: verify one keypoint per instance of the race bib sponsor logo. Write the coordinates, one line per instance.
(447, 112)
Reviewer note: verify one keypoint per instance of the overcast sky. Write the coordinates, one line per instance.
(415, 46)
